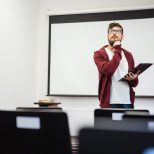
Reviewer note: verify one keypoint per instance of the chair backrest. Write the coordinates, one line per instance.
(109, 112)
(34, 132)
(97, 141)
(140, 122)
(39, 109)
(113, 119)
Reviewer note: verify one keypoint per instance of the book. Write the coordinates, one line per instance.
(48, 104)
(140, 68)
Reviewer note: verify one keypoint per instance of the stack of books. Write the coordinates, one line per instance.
(47, 103)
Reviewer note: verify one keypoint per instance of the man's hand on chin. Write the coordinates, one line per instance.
(116, 43)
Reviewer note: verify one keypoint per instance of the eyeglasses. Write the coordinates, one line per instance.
(118, 31)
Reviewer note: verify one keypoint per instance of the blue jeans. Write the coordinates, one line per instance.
(122, 106)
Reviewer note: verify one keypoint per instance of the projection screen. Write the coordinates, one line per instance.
(74, 38)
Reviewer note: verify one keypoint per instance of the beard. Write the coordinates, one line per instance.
(111, 42)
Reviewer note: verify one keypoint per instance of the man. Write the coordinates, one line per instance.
(113, 63)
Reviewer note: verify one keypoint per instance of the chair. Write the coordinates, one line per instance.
(108, 112)
(34, 132)
(98, 141)
(105, 118)
(140, 122)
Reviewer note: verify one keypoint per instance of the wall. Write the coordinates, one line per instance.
(80, 110)
(18, 27)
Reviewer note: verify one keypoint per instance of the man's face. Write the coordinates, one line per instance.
(114, 34)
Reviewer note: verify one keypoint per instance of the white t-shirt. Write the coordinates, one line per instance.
(119, 92)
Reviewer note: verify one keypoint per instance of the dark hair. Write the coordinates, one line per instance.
(115, 24)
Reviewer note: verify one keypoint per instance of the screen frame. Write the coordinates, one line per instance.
(91, 17)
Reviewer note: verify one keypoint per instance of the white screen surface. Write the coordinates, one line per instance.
(72, 68)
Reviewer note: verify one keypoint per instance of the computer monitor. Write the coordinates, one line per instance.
(34, 132)
(98, 141)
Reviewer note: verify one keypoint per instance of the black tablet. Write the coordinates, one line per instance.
(140, 68)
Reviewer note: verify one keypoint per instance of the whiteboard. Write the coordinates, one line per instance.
(72, 68)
